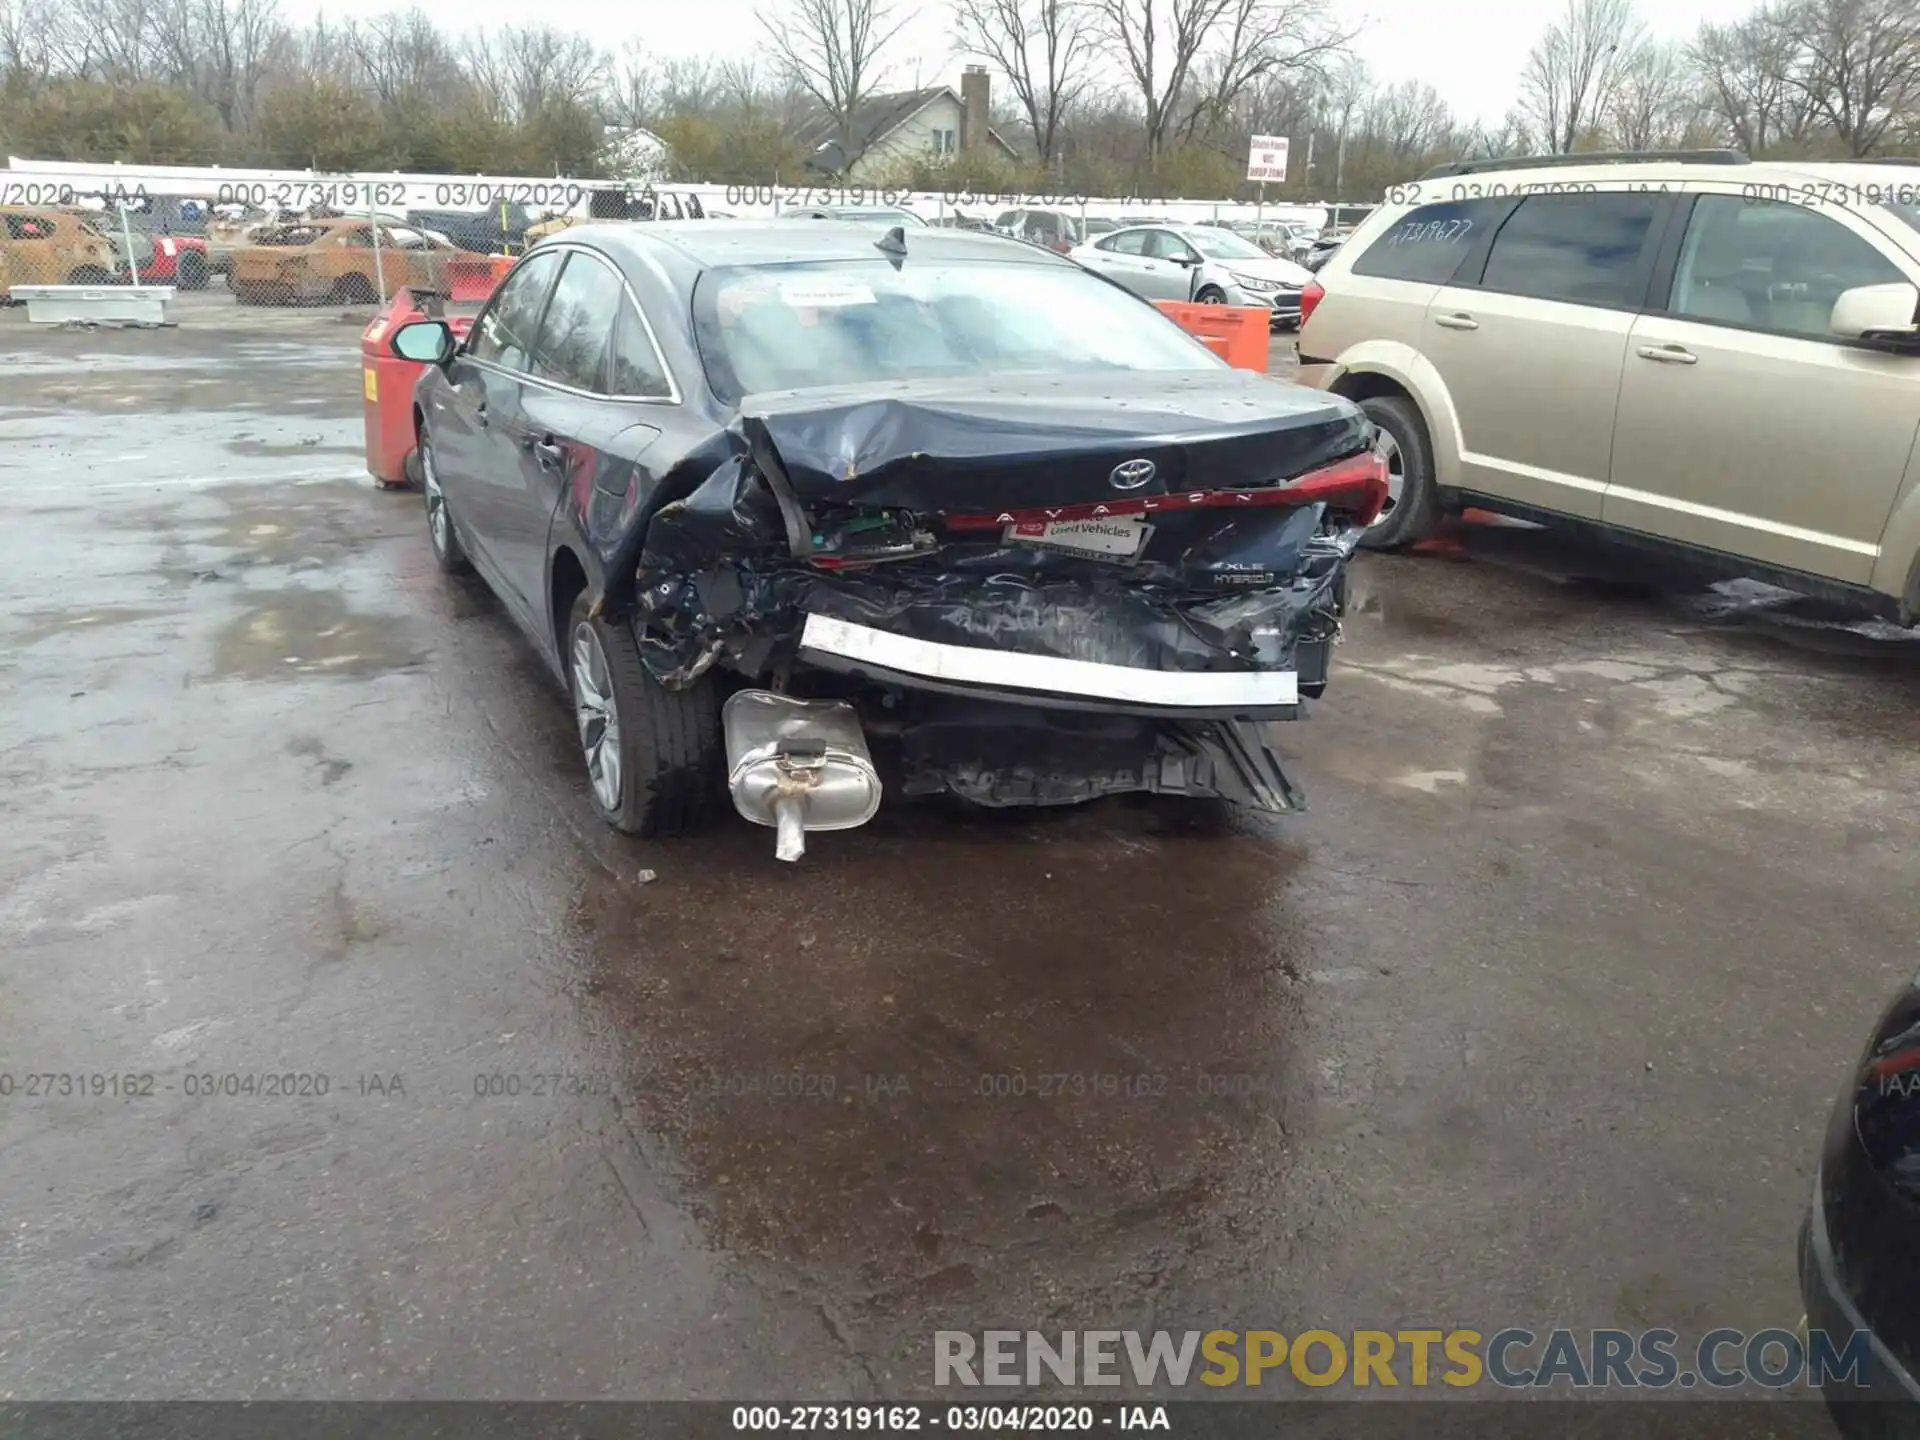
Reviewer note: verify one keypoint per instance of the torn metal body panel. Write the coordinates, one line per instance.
(1134, 642)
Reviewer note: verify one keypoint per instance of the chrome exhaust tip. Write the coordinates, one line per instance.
(797, 765)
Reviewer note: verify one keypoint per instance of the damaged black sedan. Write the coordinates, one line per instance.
(761, 493)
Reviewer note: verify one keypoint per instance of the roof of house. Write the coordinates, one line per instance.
(877, 117)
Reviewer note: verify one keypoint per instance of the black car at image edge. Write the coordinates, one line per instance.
(1860, 1245)
(763, 491)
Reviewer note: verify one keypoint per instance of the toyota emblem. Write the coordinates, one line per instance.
(1132, 474)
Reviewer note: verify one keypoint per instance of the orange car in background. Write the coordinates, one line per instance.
(334, 262)
(56, 247)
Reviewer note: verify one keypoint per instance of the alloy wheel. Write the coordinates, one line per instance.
(594, 710)
(1388, 449)
(437, 521)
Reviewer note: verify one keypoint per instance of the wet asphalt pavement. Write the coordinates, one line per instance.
(1534, 1019)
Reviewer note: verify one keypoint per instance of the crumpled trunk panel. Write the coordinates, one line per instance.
(1245, 595)
(891, 544)
(1037, 441)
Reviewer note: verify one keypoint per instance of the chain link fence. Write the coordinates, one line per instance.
(301, 260)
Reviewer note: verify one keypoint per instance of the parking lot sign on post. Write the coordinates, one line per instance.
(1267, 158)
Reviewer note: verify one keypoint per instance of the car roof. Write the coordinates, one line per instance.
(775, 242)
(1903, 174)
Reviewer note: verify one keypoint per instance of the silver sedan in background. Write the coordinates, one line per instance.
(1204, 263)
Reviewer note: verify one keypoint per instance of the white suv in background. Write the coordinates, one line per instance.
(1714, 357)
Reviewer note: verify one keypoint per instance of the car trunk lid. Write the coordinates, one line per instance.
(982, 447)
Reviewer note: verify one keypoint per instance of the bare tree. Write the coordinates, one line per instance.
(1862, 69)
(109, 40)
(402, 56)
(832, 50)
(1571, 75)
(1259, 39)
(539, 64)
(1408, 121)
(1655, 100)
(1343, 94)
(1041, 46)
(1158, 43)
(218, 49)
(1747, 69)
(27, 40)
(632, 91)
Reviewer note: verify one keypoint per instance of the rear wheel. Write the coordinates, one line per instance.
(353, 289)
(190, 271)
(1413, 503)
(652, 754)
(90, 275)
(448, 553)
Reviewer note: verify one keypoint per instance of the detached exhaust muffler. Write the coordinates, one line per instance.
(798, 765)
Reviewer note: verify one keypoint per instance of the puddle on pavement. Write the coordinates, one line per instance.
(268, 525)
(952, 1037)
(281, 634)
(39, 625)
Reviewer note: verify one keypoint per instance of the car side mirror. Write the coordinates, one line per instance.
(1881, 316)
(1184, 261)
(426, 342)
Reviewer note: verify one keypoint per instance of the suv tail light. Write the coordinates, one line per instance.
(1310, 297)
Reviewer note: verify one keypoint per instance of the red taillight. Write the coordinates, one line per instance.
(1362, 478)
(1309, 298)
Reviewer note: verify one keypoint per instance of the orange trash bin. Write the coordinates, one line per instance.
(386, 391)
(1243, 332)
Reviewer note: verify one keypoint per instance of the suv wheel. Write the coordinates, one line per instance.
(1412, 505)
(652, 754)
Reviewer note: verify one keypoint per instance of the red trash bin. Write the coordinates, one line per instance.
(386, 389)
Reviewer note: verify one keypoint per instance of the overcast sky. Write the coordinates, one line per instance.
(1470, 51)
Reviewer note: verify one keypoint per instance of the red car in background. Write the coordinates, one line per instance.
(179, 260)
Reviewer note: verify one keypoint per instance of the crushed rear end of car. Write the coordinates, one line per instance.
(1039, 592)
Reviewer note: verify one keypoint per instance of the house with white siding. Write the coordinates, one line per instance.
(904, 126)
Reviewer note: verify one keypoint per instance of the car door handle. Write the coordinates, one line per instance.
(552, 456)
(1456, 321)
(1668, 354)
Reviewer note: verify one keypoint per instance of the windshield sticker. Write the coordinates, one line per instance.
(821, 293)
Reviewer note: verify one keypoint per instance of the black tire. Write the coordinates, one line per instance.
(1413, 516)
(448, 553)
(667, 742)
(90, 275)
(353, 289)
(1210, 295)
(190, 270)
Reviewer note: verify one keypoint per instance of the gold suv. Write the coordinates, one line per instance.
(1715, 357)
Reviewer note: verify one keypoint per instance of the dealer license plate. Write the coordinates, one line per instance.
(1119, 539)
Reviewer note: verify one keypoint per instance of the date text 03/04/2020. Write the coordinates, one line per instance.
(991, 1419)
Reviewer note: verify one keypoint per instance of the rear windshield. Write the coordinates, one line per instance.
(1224, 245)
(791, 327)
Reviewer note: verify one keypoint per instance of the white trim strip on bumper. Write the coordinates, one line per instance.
(1042, 674)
